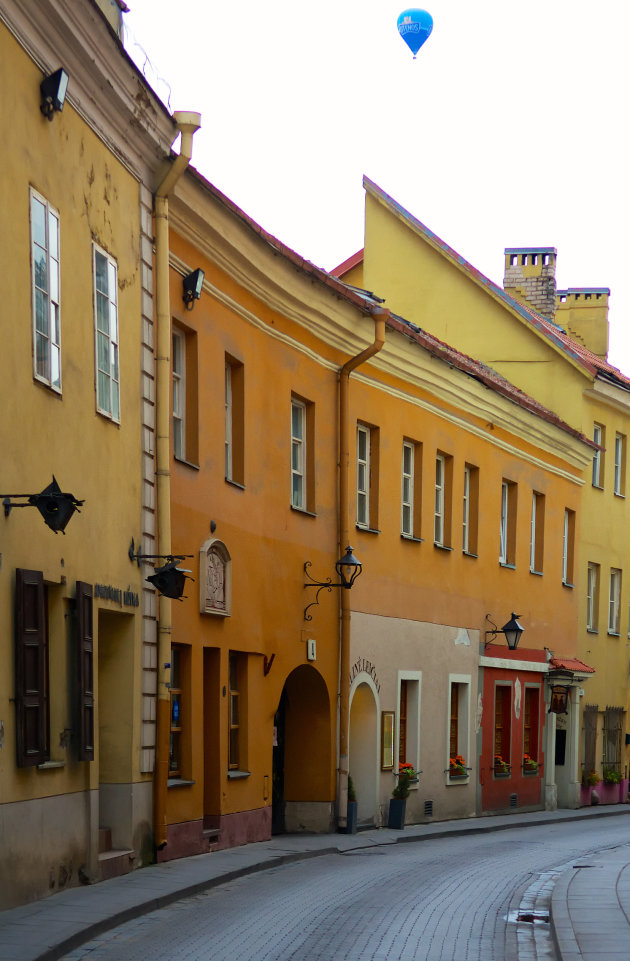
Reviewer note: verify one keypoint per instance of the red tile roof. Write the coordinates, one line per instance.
(370, 305)
(571, 664)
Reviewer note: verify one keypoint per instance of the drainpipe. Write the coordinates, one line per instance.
(380, 315)
(187, 124)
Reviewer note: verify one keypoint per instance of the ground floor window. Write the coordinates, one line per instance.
(177, 715)
(502, 727)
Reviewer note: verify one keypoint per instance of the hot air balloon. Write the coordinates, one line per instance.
(415, 26)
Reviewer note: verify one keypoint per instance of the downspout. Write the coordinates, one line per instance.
(380, 316)
(187, 124)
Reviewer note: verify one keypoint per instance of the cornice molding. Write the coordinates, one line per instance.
(473, 398)
(105, 88)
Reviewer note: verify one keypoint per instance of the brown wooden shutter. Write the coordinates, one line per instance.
(31, 669)
(85, 672)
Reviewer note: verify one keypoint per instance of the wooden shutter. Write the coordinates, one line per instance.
(85, 672)
(31, 669)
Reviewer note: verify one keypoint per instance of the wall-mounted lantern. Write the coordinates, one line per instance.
(348, 569)
(169, 579)
(193, 285)
(512, 631)
(53, 90)
(55, 507)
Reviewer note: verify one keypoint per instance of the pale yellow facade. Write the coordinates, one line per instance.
(75, 196)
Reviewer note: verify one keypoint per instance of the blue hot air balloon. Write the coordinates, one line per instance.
(415, 26)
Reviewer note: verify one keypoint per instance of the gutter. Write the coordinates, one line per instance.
(187, 125)
(380, 316)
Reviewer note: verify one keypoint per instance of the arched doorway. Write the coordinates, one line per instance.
(303, 765)
(363, 752)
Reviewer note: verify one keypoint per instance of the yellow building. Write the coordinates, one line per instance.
(553, 344)
(78, 171)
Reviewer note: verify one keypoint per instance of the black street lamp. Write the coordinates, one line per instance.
(348, 568)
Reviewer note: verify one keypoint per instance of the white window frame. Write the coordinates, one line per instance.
(414, 695)
(597, 456)
(298, 455)
(440, 500)
(463, 716)
(532, 542)
(619, 458)
(503, 529)
(107, 379)
(407, 488)
(565, 547)
(363, 476)
(614, 599)
(466, 511)
(179, 393)
(592, 585)
(46, 337)
(228, 421)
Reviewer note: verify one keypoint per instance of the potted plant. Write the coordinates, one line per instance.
(353, 808)
(457, 767)
(501, 768)
(591, 779)
(530, 766)
(398, 801)
(611, 776)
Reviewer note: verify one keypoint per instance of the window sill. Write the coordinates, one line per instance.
(303, 510)
(613, 634)
(568, 584)
(410, 537)
(594, 630)
(44, 383)
(470, 554)
(509, 567)
(238, 775)
(442, 547)
(179, 782)
(536, 573)
(457, 779)
(621, 496)
(50, 765)
(186, 463)
(368, 530)
(106, 416)
(597, 487)
(233, 483)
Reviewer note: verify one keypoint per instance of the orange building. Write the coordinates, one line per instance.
(306, 418)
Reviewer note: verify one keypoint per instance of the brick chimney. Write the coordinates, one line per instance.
(583, 313)
(530, 276)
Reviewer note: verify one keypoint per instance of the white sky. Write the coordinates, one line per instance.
(509, 130)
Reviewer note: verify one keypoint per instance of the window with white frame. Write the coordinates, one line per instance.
(458, 726)
(179, 394)
(568, 546)
(598, 456)
(45, 292)
(407, 511)
(228, 421)
(409, 689)
(466, 511)
(507, 526)
(106, 331)
(298, 454)
(592, 596)
(614, 598)
(620, 465)
(363, 476)
(440, 499)
(536, 548)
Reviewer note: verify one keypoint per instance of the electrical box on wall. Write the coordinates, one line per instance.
(311, 650)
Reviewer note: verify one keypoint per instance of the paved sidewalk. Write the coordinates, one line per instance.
(590, 908)
(46, 930)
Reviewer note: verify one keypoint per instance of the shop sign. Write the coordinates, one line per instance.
(363, 666)
(126, 598)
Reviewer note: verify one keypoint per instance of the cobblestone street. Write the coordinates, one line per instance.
(452, 899)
